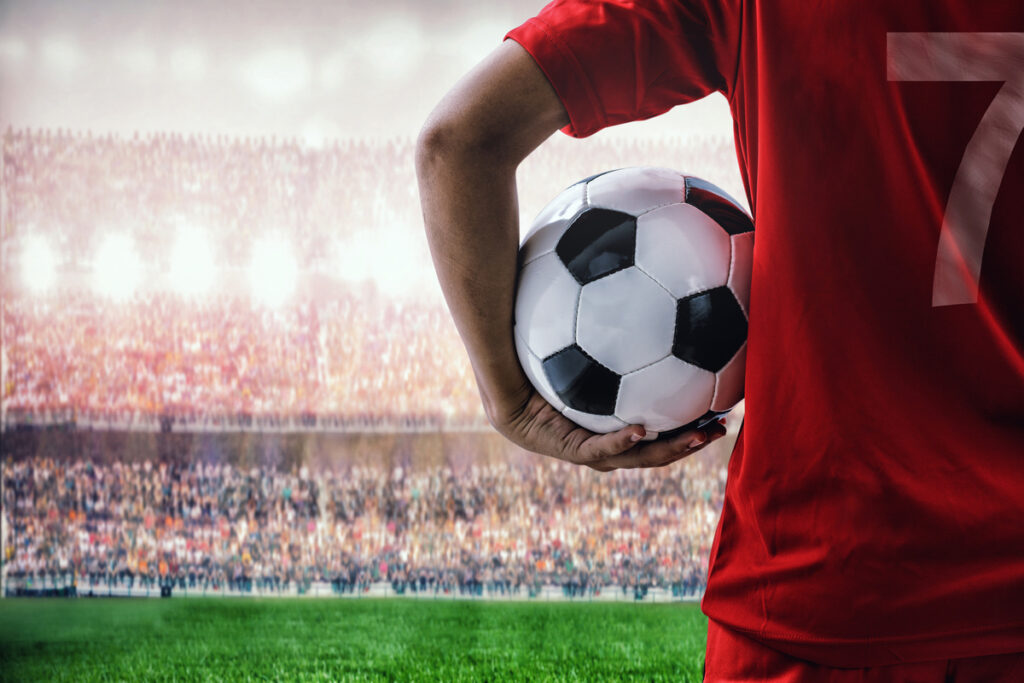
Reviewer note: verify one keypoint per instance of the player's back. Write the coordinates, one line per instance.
(874, 501)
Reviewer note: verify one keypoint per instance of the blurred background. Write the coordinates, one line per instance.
(226, 364)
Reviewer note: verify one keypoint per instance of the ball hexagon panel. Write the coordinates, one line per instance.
(740, 272)
(535, 370)
(636, 190)
(598, 243)
(683, 249)
(729, 382)
(717, 203)
(549, 225)
(546, 306)
(710, 328)
(625, 320)
(666, 395)
(581, 382)
(595, 423)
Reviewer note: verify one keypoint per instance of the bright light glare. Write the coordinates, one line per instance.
(137, 60)
(273, 273)
(355, 260)
(192, 265)
(12, 49)
(333, 71)
(38, 266)
(394, 46)
(116, 268)
(317, 131)
(278, 73)
(61, 54)
(396, 263)
(478, 40)
(188, 63)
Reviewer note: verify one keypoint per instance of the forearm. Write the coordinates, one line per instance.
(471, 218)
(466, 160)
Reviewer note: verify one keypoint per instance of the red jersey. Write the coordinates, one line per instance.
(874, 509)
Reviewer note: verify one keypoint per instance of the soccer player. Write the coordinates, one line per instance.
(873, 524)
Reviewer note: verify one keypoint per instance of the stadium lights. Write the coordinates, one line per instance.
(478, 40)
(12, 49)
(354, 259)
(333, 71)
(402, 273)
(116, 270)
(192, 267)
(316, 132)
(138, 60)
(393, 47)
(38, 266)
(278, 73)
(61, 54)
(273, 273)
(188, 63)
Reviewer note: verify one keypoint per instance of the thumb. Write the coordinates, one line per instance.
(601, 446)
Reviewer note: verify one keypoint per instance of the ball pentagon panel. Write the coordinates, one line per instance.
(683, 249)
(636, 190)
(597, 243)
(741, 268)
(729, 382)
(710, 329)
(545, 308)
(535, 371)
(625, 320)
(581, 382)
(719, 205)
(549, 225)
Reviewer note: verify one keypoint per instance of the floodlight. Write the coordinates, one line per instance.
(38, 265)
(277, 73)
(273, 272)
(116, 268)
(192, 267)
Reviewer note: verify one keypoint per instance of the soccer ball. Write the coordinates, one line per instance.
(633, 298)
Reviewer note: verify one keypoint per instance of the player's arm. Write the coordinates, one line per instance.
(466, 160)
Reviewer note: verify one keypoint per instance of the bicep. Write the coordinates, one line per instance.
(504, 107)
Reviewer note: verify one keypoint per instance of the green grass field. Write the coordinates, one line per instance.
(330, 639)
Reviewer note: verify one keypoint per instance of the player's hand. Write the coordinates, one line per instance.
(537, 426)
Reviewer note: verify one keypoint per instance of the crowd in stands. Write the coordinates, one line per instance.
(348, 350)
(359, 356)
(72, 186)
(352, 353)
(481, 529)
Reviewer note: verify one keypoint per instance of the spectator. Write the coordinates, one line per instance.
(484, 530)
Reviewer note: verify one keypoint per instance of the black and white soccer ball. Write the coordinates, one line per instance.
(633, 298)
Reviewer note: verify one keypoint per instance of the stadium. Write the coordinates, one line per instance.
(230, 381)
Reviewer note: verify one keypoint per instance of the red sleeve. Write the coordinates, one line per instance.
(613, 61)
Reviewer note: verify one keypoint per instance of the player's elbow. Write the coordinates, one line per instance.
(434, 144)
(447, 141)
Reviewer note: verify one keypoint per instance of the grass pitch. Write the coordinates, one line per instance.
(331, 639)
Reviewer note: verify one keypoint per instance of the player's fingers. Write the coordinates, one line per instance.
(660, 453)
(603, 446)
(715, 430)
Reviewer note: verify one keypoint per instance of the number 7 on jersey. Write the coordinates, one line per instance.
(968, 57)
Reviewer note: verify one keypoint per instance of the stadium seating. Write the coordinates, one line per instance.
(491, 530)
(361, 346)
(341, 354)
